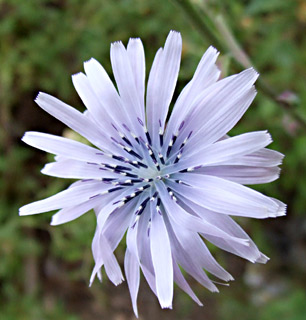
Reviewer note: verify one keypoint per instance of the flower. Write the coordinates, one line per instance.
(167, 185)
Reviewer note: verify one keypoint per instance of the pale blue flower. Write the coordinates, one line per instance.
(167, 185)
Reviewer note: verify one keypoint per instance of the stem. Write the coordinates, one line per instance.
(206, 24)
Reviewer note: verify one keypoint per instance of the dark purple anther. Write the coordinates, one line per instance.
(96, 195)
(181, 125)
(140, 121)
(125, 127)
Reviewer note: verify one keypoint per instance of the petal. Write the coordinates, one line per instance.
(67, 198)
(136, 57)
(126, 84)
(73, 169)
(99, 113)
(261, 158)
(206, 74)
(144, 249)
(117, 223)
(63, 146)
(226, 197)
(101, 247)
(191, 242)
(188, 261)
(218, 109)
(104, 255)
(179, 216)
(161, 84)
(132, 274)
(222, 151)
(72, 213)
(228, 225)
(104, 89)
(161, 258)
(242, 174)
(183, 284)
(73, 119)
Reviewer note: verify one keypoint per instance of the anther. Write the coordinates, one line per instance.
(158, 206)
(148, 135)
(162, 160)
(161, 136)
(130, 151)
(154, 196)
(178, 157)
(142, 207)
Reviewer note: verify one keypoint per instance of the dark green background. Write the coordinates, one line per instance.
(44, 271)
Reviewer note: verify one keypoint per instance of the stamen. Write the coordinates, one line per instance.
(107, 179)
(140, 164)
(131, 175)
(181, 125)
(95, 196)
(134, 224)
(114, 166)
(186, 139)
(158, 206)
(142, 207)
(178, 157)
(140, 121)
(154, 196)
(152, 155)
(148, 135)
(114, 189)
(129, 198)
(161, 136)
(162, 160)
(149, 227)
(125, 139)
(135, 137)
(169, 147)
(143, 188)
(171, 194)
(130, 151)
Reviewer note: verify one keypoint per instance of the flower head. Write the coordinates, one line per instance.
(167, 185)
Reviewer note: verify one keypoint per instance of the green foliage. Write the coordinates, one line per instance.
(43, 42)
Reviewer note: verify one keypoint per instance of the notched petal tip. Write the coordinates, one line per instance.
(174, 32)
(254, 72)
(262, 259)
(118, 282)
(91, 60)
(166, 306)
(117, 43)
(39, 94)
(136, 39)
(78, 74)
(23, 211)
(213, 50)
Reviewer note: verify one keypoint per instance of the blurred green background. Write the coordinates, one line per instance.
(44, 270)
